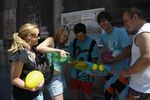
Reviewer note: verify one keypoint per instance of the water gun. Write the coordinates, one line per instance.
(92, 68)
(88, 67)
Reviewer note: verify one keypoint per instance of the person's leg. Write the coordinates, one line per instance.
(58, 97)
(56, 88)
(74, 85)
(87, 89)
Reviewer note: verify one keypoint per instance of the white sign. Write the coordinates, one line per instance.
(88, 17)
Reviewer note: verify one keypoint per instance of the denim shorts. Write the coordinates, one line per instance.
(57, 85)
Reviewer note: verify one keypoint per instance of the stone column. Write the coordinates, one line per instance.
(58, 8)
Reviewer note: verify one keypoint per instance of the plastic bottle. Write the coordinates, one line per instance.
(57, 58)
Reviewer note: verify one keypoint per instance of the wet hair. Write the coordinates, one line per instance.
(104, 15)
(79, 27)
(135, 11)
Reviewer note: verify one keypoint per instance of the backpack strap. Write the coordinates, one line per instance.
(91, 49)
(74, 47)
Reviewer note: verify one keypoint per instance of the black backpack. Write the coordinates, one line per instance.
(46, 67)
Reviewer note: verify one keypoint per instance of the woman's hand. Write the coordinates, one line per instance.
(63, 53)
(38, 87)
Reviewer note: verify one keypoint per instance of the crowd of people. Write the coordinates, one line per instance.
(129, 78)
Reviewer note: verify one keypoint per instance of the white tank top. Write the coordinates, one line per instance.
(140, 81)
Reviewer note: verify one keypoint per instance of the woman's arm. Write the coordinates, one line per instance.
(48, 46)
(16, 70)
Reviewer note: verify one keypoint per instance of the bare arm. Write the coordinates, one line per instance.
(48, 46)
(16, 70)
(142, 41)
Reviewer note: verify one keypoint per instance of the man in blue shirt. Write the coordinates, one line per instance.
(115, 51)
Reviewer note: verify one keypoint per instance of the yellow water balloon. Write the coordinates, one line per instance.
(33, 79)
(101, 67)
(94, 66)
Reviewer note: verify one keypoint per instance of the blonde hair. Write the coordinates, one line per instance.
(58, 34)
(19, 42)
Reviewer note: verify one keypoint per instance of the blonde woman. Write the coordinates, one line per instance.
(56, 44)
(23, 61)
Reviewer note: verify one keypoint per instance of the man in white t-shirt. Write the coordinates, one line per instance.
(139, 70)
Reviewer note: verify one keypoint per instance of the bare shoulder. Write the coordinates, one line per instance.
(49, 39)
(143, 39)
(143, 36)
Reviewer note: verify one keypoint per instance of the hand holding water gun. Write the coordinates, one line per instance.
(63, 54)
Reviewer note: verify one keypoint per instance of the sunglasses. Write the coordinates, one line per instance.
(66, 28)
(35, 35)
